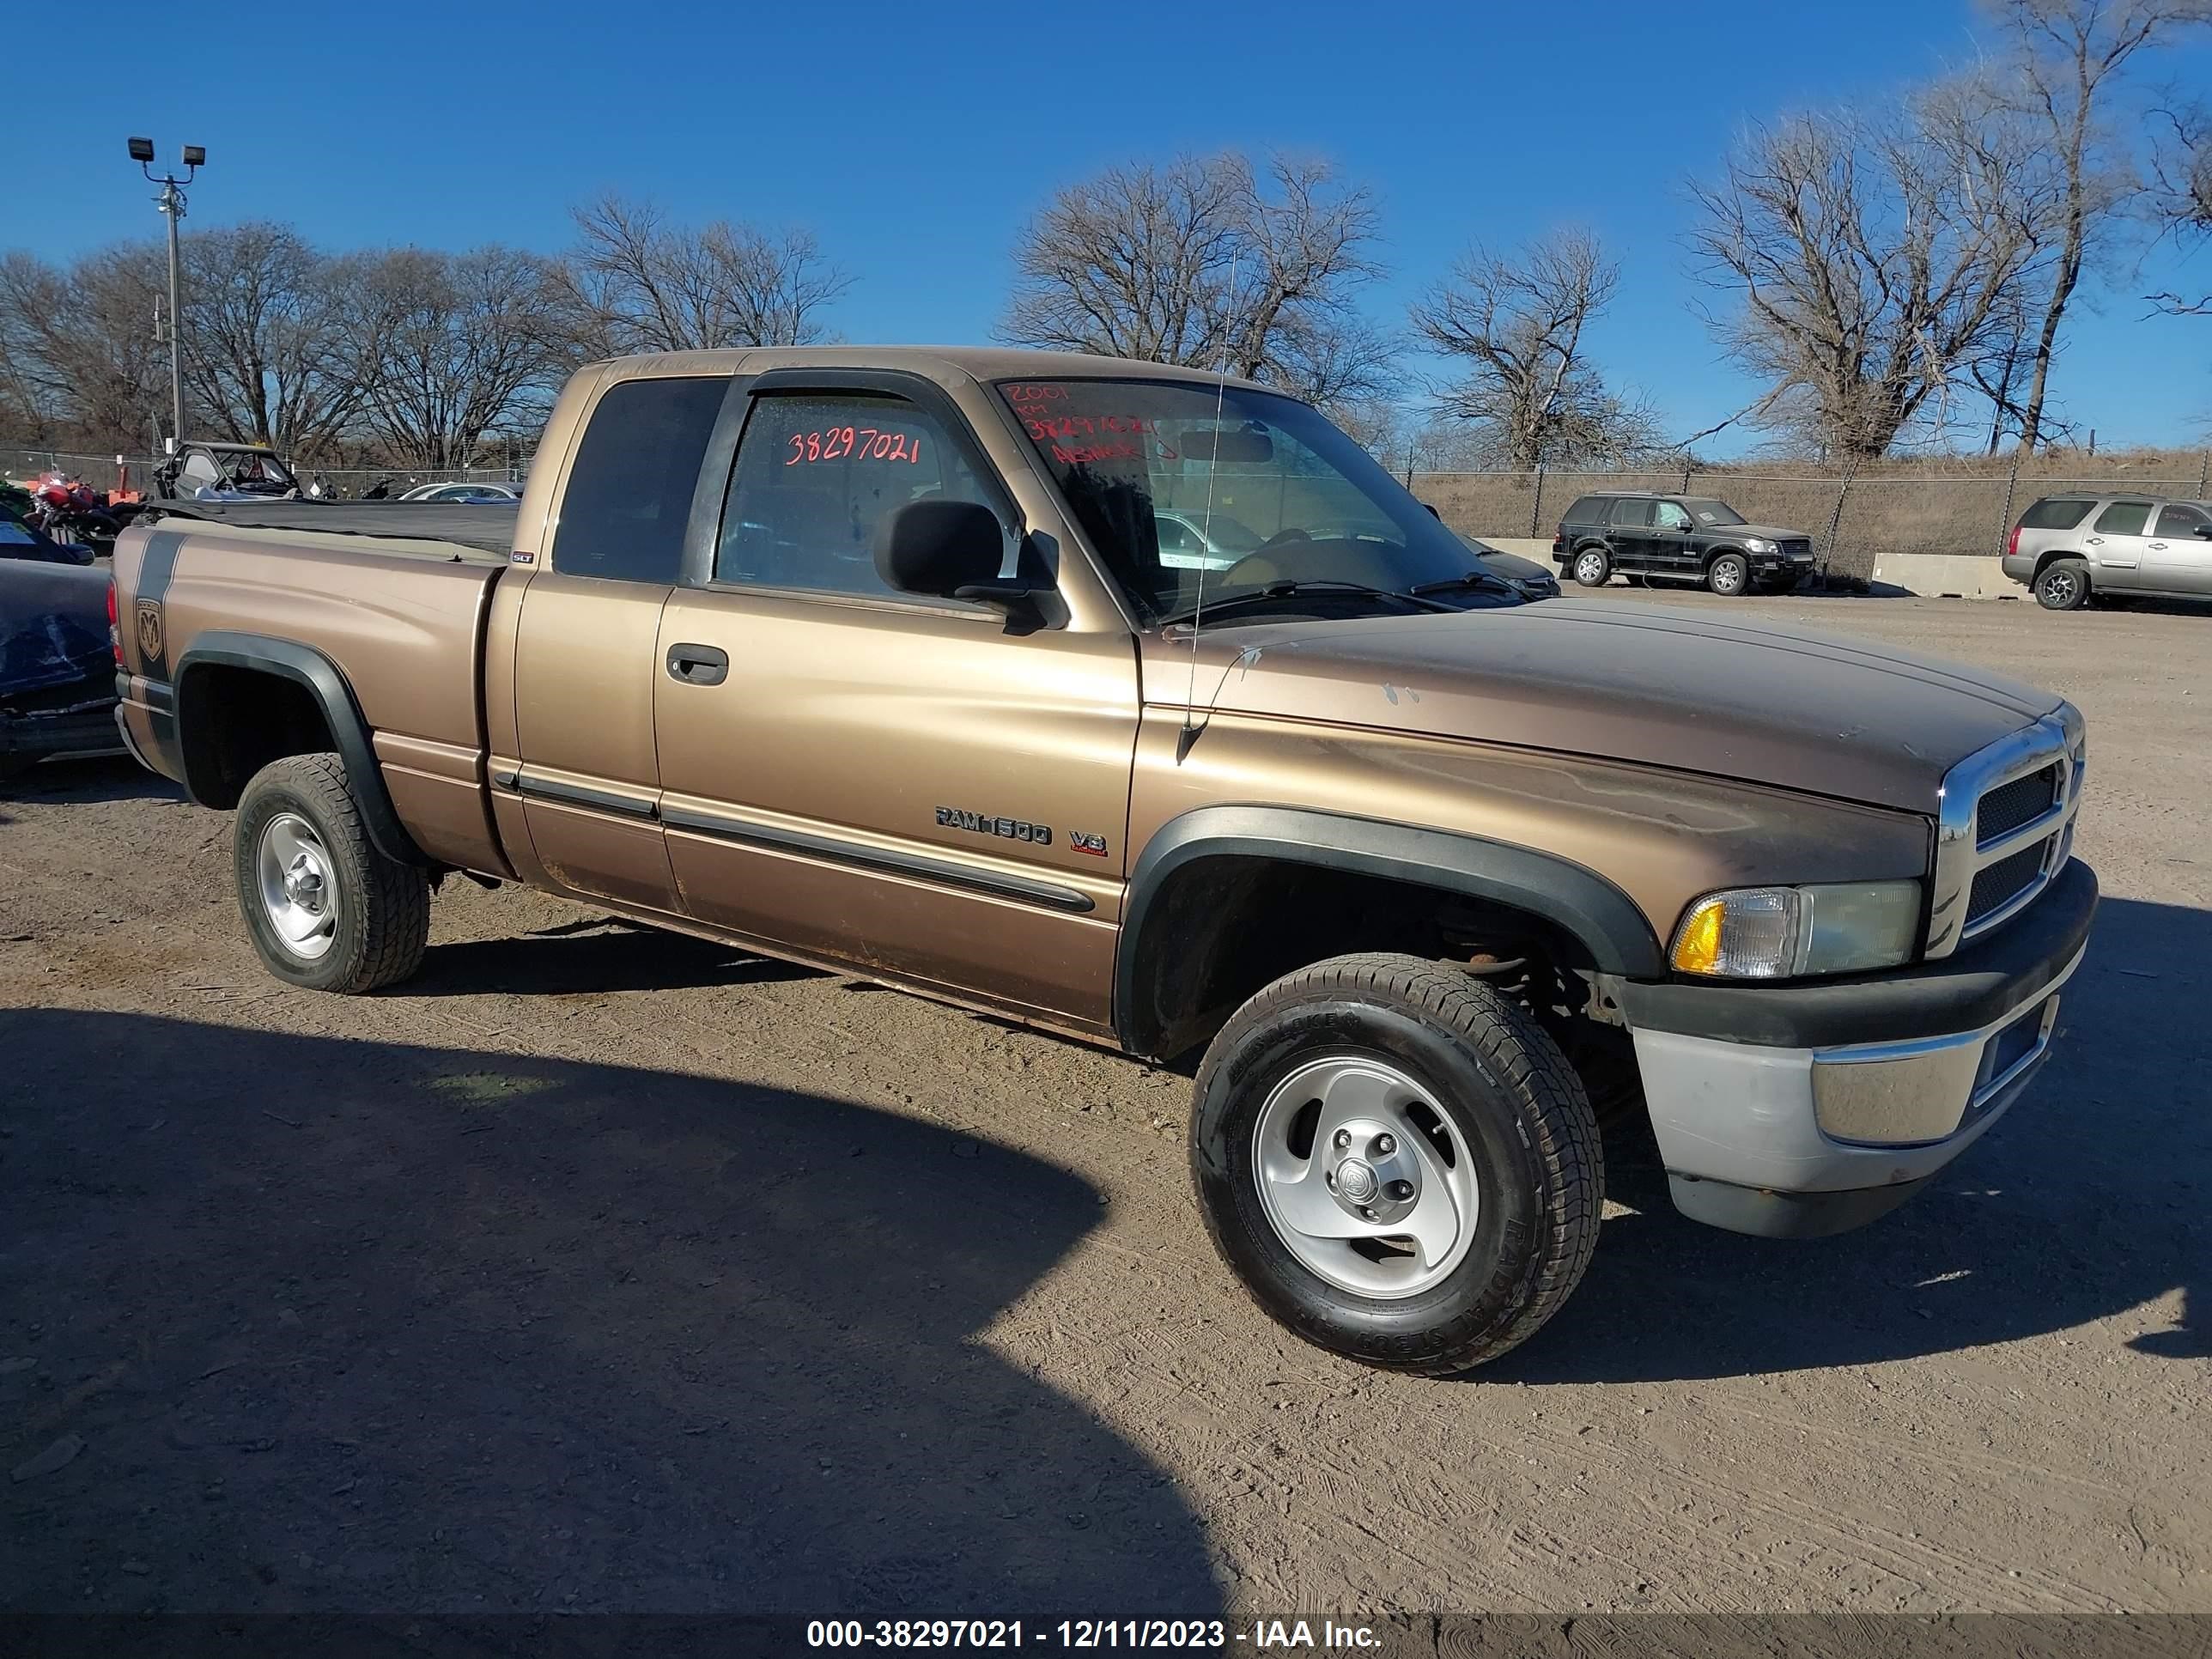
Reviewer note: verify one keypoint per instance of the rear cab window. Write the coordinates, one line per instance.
(1634, 511)
(2056, 512)
(2123, 518)
(1591, 509)
(629, 495)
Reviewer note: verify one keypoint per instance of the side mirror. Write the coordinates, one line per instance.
(946, 550)
(2205, 531)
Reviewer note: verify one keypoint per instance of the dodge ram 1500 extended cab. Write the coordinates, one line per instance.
(870, 659)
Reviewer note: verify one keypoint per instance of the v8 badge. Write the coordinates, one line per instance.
(1094, 845)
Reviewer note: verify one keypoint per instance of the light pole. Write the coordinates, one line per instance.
(171, 201)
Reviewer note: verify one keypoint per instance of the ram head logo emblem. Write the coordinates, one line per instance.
(149, 631)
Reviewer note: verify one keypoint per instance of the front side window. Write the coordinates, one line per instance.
(1672, 516)
(1713, 513)
(817, 473)
(2180, 521)
(2123, 518)
(629, 495)
(1268, 489)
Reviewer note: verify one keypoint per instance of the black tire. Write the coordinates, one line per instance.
(1729, 576)
(1512, 1100)
(381, 908)
(1591, 566)
(2062, 585)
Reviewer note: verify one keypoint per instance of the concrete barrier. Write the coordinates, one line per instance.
(1947, 575)
(1932, 575)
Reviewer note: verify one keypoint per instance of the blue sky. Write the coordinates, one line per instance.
(913, 139)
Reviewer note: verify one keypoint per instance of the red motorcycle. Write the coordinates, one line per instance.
(62, 509)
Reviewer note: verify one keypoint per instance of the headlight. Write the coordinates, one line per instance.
(1758, 545)
(1781, 932)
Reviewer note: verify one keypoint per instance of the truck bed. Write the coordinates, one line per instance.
(381, 592)
(475, 530)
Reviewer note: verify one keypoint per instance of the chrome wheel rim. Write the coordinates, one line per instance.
(1589, 569)
(298, 896)
(1364, 1178)
(1728, 576)
(2060, 586)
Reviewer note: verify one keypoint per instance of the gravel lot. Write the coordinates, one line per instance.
(602, 1270)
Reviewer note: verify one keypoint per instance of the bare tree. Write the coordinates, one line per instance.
(1210, 262)
(2067, 55)
(264, 354)
(1519, 321)
(2182, 197)
(78, 357)
(638, 283)
(1870, 261)
(453, 346)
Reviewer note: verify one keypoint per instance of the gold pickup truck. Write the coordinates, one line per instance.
(1141, 705)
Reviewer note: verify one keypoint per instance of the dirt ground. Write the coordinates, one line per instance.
(601, 1270)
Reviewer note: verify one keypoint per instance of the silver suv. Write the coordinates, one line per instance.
(2069, 547)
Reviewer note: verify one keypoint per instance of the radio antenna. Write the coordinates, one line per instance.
(1189, 735)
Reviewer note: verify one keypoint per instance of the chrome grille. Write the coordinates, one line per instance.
(2005, 828)
(1999, 883)
(2005, 808)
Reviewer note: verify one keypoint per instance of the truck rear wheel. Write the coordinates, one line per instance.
(1397, 1163)
(327, 910)
(2062, 585)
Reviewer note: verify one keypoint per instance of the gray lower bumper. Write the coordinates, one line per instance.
(1799, 1141)
(86, 731)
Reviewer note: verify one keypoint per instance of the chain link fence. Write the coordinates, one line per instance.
(112, 472)
(1853, 518)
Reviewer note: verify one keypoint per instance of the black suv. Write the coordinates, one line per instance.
(1679, 537)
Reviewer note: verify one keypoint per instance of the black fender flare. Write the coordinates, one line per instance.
(305, 666)
(1582, 903)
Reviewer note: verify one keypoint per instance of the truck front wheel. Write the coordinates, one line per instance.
(1397, 1163)
(326, 909)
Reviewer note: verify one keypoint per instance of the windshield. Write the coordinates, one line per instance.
(1712, 512)
(1158, 470)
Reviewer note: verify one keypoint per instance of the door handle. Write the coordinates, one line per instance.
(2095, 541)
(2158, 547)
(698, 665)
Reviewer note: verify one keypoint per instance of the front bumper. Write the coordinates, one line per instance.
(1798, 1110)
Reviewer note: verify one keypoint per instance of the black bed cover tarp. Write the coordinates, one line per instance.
(488, 527)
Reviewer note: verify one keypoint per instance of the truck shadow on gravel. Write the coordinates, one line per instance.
(590, 955)
(2090, 1197)
(361, 1327)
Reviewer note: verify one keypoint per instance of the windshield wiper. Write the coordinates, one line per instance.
(1473, 578)
(1288, 589)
